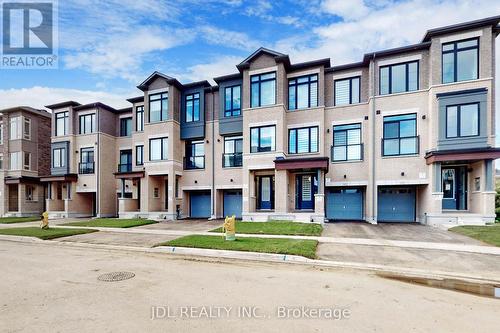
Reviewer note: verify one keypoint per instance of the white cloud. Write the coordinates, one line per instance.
(263, 10)
(228, 38)
(351, 9)
(222, 65)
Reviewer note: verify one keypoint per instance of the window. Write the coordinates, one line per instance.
(27, 161)
(460, 61)
(192, 107)
(158, 149)
(347, 91)
(125, 161)
(399, 78)
(263, 139)
(156, 192)
(177, 189)
(303, 140)
(62, 123)
(1, 133)
(27, 129)
(15, 161)
(1, 161)
(139, 155)
(158, 107)
(87, 123)
(233, 152)
(195, 155)
(139, 118)
(58, 157)
(29, 193)
(477, 184)
(232, 101)
(347, 144)
(462, 120)
(303, 92)
(400, 135)
(263, 89)
(86, 161)
(15, 128)
(125, 126)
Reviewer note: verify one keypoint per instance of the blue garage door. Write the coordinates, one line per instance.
(396, 204)
(345, 204)
(232, 203)
(199, 204)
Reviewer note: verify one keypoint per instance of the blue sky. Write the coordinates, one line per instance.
(107, 47)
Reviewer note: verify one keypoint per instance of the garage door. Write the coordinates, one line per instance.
(396, 204)
(345, 204)
(232, 203)
(199, 204)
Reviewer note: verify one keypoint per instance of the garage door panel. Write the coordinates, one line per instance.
(200, 204)
(345, 204)
(232, 203)
(396, 205)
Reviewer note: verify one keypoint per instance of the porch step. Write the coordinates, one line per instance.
(455, 219)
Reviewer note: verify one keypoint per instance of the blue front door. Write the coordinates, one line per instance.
(265, 192)
(396, 204)
(305, 188)
(454, 182)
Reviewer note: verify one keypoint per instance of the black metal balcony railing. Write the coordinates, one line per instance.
(125, 167)
(401, 146)
(86, 168)
(194, 162)
(232, 160)
(347, 153)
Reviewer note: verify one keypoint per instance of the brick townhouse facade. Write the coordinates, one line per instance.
(404, 135)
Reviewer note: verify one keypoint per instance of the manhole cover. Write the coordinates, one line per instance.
(115, 276)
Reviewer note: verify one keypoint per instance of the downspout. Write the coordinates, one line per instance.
(213, 155)
(373, 124)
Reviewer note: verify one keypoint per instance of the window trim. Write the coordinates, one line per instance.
(162, 158)
(125, 120)
(361, 157)
(233, 139)
(260, 90)
(297, 140)
(455, 57)
(139, 110)
(416, 136)
(407, 79)
(92, 123)
(62, 160)
(137, 163)
(189, 148)
(26, 166)
(350, 90)
(308, 83)
(259, 136)
(161, 98)
(459, 116)
(27, 121)
(232, 110)
(193, 99)
(65, 117)
(87, 170)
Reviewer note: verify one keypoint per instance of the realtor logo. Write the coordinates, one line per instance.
(29, 34)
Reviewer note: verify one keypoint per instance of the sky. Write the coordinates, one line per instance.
(106, 48)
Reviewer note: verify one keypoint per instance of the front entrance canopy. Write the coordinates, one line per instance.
(70, 177)
(468, 155)
(21, 180)
(304, 163)
(129, 175)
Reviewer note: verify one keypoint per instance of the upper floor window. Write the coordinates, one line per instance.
(158, 149)
(347, 144)
(86, 161)
(58, 157)
(192, 107)
(87, 123)
(303, 140)
(125, 161)
(263, 89)
(263, 139)
(347, 91)
(1, 161)
(27, 161)
(233, 151)
(158, 107)
(232, 101)
(15, 128)
(126, 126)
(195, 155)
(139, 155)
(139, 118)
(15, 160)
(460, 60)
(303, 92)
(399, 78)
(27, 129)
(400, 135)
(62, 123)
(462, 120)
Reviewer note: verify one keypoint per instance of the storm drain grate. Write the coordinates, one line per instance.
(115, 276)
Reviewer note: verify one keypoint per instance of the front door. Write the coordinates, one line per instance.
(13, 198)
(265, 199)
(454, 188)
(305, 188)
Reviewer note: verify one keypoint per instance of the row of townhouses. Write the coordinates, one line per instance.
(404, 135)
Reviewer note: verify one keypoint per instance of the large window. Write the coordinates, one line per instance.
(139, 155)
(15, 128)
(263, 139)
(62, 123)
(400, 135)
(15, 160)
(58, 157)
(233, 152)
(195, 155)
(263, 89)
(139, 118)
(460, 60)
(27, 161)
(125, 126)
(158, 107)
(158, 149)
(27, 129)
(87, 123)
(192, 107)
(399, 78)
(462, 120)
(303, 92)
(86, 161)
(303, 140)
(347, 91)
(232, 101)
(347, 144)
(125, 161)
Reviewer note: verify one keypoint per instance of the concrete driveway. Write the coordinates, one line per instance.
(185, 225)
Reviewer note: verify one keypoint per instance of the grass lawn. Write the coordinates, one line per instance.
(50, 233)
(112, 223)
(277, 228)
(305, 248)
(488, 234)
(8, 220)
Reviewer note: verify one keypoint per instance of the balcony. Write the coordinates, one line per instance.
(347, 153)
(194, 162)
(86, 168)
(125, 167)
(401, 146)
(232, 160)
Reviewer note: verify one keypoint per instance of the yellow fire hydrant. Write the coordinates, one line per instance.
(229, 228)
(44, 224)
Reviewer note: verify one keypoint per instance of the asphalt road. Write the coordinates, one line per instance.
(55, 288)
